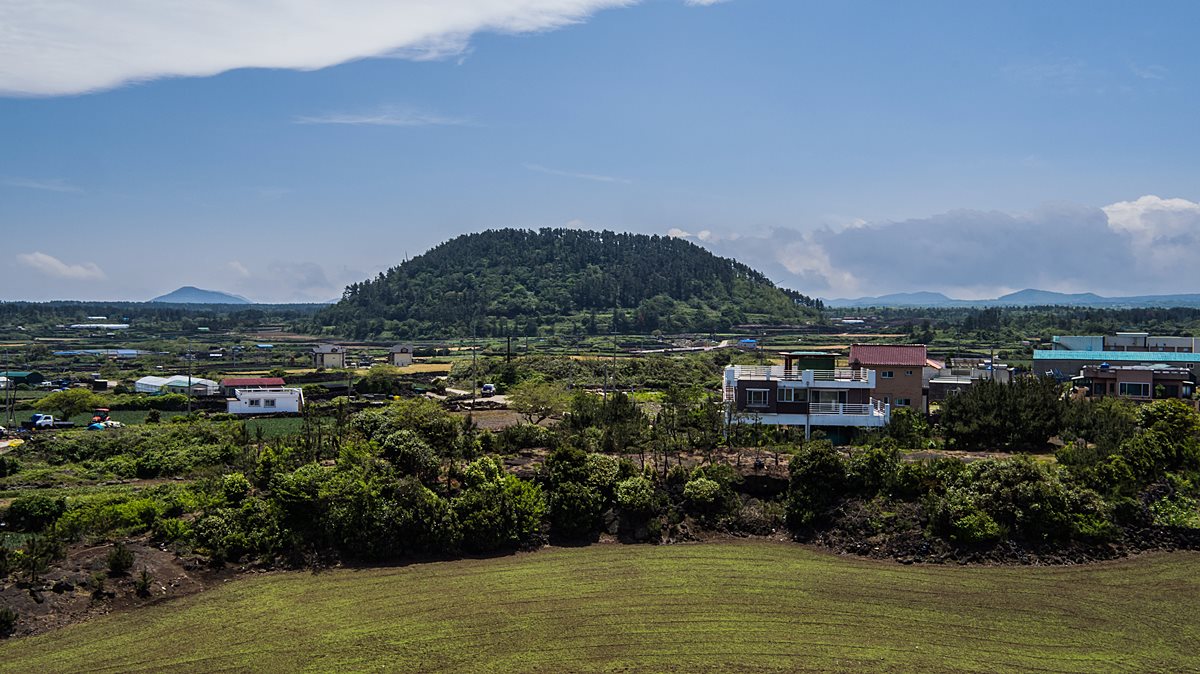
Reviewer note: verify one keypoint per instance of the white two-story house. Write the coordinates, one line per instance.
(799, 394)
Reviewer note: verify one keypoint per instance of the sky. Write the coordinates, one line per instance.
(281, 150)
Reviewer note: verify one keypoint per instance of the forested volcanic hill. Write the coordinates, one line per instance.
(516, 281)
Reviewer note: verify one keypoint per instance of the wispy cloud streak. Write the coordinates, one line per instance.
(573, 174)
(388, 117)
(55, 185)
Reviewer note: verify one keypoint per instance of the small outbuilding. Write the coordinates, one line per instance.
(401, 355)
(329, 356)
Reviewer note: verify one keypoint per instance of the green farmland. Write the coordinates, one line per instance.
(713, 607)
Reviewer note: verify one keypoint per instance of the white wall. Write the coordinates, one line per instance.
(265, 401)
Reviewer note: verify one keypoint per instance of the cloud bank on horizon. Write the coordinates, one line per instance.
(1143, 246)
(77, 46)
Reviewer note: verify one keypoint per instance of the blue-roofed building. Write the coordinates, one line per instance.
(1070, 363)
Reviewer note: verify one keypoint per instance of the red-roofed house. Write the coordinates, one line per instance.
(899, 372)
(229, 384)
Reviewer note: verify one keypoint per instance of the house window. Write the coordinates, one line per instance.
(1134, 390)
(902, 402)
(887, 374)
(791, 394)
(908, 373)
(756, 397)
(254, 402)
(269, 402)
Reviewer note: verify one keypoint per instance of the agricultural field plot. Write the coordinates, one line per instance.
(731, 606)
(423, 368)
(274, 427)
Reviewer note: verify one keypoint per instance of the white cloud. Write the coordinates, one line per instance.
(52, 266)
(78, 46)
(676, 233)
(573, 174)
(703, 3)
(238, 268)
(384, 117)
(1143, 246)
(1163, 233)
(53, 185)
(1150, 72)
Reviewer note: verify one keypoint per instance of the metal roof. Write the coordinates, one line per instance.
(1122, 356)
(912, 355)
(251, 381)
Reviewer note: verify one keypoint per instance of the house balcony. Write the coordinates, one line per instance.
(872, 414)
(838, 378)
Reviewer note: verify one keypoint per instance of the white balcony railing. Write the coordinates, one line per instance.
(780, 373)
(875, 408)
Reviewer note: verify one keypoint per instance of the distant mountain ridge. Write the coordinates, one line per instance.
(1030, 297)
(194, 295)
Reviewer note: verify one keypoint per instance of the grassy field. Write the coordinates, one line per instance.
(738, 606)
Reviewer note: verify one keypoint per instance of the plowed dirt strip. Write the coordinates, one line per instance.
(733, 606)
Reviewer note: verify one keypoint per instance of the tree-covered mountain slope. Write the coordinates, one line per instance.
(518, 282)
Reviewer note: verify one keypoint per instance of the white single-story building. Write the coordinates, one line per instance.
(265, 400)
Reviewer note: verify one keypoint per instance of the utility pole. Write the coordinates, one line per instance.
(188, 356)
(7, 391)
(474, 372)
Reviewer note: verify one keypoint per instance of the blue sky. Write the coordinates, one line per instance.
(845, 148)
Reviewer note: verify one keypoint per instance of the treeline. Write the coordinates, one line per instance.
(515, 282)
(150, 317)
(1043, 322)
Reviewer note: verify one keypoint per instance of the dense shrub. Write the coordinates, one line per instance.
(872, 470)
(8, 621)
(636, 496)
(575, 510)
(703, 495)
(602, 473)
(958, 517)
(411, 455)
(9, 465)
(235, 487)
(817, 477)
(34, 512)
(566, 464)
(1023, 499)
(525, 436)
(120, 559)
(497, 511)
(908, 428)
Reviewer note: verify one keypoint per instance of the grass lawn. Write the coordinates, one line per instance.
(737, 606)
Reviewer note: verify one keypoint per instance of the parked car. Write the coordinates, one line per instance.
(45, 421)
